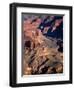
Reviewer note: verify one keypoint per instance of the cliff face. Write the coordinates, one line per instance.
(42, 54)
(43, 57)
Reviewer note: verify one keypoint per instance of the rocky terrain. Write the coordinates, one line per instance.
(42, 54)
(44, 58)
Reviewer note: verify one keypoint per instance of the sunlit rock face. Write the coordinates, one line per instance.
(42, 44)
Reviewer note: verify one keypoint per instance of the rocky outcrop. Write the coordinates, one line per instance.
(42, 54)
(43, 58)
